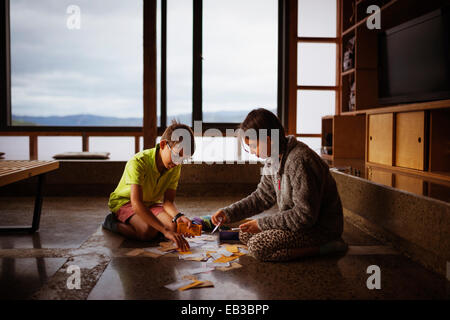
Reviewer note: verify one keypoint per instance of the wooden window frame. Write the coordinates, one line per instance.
(294, 87)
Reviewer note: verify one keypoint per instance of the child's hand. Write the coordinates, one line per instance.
(219, 217)
(250, 227)
(178, 239)
(188, 222)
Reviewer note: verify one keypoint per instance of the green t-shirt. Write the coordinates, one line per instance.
(142, 170)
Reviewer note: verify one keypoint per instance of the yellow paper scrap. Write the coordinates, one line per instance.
(232, 249)
(193, 284)
(134, 252)
(224, 259)
(184, 252)
(205, 284)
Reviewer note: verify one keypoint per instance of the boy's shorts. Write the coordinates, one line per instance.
(126, 211)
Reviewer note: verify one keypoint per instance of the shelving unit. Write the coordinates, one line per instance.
(411, 139)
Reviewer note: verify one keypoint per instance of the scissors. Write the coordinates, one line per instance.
(218, 225)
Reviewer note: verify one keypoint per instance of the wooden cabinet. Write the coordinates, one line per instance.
(380, 138)
(345, 136)
(410, 140)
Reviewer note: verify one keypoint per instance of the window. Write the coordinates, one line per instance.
(76, 65)
(239, 58)
(316, 67)
(179, 60)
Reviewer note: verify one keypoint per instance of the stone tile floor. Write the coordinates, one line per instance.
(36, 266)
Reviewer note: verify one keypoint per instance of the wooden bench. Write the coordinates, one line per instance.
(16, 170)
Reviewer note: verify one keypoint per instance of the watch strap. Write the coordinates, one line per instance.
(179, 214)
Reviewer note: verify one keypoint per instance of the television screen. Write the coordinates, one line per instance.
(414, 60)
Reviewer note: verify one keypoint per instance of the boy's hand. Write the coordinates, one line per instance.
(178, 239)
(185, 220)
(250, 227)
(188, 222)
(219, 217)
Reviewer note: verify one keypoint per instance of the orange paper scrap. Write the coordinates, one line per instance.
(195, 229)
(232, 249)
(184, 252)
(193, 284)
(224, 259)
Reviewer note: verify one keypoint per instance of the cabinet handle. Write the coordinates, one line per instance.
(370, 138)
(420, 139)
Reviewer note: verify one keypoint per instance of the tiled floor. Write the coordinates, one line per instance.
(35, 266)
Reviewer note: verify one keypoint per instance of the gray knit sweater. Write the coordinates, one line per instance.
(302, 187)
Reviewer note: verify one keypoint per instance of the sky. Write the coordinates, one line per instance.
(97, 69)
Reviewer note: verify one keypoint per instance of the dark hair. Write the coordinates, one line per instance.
(264, 119)
(167, 135)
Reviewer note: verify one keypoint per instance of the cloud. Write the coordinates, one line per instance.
(98, 69)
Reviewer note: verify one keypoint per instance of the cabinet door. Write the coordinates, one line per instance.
(380, 138)
(410, 140)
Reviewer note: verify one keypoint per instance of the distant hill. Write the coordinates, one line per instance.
(93, 120)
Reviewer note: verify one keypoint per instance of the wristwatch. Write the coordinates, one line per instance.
(179, 214)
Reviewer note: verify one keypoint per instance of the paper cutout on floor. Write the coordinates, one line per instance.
(178, 284)
(232, 249)
(193, 256)
(184, 252)
(189, 286)
(224, 259)
(234, 265)
(134, 252)
(217, 264)
(225, 252)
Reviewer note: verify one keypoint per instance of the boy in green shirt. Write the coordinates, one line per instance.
(143, 202)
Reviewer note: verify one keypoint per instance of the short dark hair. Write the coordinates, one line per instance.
(264, 119)
(167, 135)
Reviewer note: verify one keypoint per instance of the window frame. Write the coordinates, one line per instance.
(295, 41)
(286, 76)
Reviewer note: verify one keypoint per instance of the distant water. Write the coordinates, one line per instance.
(122, 148)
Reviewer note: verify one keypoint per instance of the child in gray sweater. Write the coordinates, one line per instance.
(310, 219)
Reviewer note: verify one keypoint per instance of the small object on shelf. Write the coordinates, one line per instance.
(352, 102)
(327, 150)
(349, 54)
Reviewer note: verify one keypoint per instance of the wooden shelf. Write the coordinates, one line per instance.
(442, 176)
(428, 105)
(344, 73)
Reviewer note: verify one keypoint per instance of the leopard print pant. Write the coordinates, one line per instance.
(275, 244)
